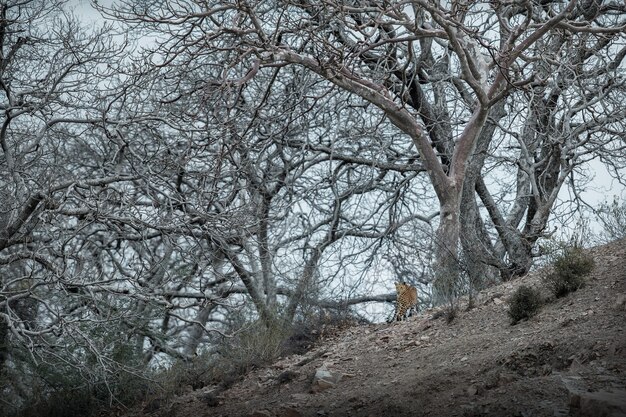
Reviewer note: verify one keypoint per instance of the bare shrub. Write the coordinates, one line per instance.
(254, 346)
(524, 303)
(613, 219)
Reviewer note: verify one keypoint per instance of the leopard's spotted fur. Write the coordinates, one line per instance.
(406, 301)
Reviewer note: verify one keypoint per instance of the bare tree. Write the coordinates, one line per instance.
(140, 213)
(55, 80)
(278, 153)
(444, 74)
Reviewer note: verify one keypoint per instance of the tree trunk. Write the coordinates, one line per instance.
(4, 343)
(514, 245)
(447, 250)
(197, 330)
(267, 316)
(303, 284)
(479, 256)
(265, 256)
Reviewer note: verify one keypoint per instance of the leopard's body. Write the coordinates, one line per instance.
(406, 301)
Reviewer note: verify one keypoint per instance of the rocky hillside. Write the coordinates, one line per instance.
(570, 359)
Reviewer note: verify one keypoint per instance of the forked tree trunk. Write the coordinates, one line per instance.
(447, 185)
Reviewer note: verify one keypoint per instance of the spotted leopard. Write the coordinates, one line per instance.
(406, 301)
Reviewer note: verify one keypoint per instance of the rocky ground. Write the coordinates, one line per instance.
(570, 359)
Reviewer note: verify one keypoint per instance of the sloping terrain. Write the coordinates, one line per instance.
(570, 359)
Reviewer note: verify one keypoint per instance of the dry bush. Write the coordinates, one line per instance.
(75, 403)
(254, 346)
(301, 339)
(613, 219)
(570, 269)
(183, 376)
(524, 303)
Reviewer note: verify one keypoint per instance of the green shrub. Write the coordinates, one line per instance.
(524, 303)
(570, 268)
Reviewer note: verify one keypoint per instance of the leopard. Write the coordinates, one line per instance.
(406, 301)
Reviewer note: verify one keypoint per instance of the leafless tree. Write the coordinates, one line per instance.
(55, 79)
(144, 203)
(279, 146)
(450, 76)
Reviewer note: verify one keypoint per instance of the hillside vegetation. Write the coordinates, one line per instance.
(568, 359)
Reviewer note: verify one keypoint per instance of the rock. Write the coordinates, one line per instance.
(599, 404)
(324, 379)
(575, 365)
(620, 303)
(612, 349)
(210, 399)
(300, 397)
(286, 376)
(574, 400)
(490, 379)
(464, 358)
(424, 325)
(472, 390)
(575, 386)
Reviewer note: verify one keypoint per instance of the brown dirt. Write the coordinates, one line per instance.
(479, 365)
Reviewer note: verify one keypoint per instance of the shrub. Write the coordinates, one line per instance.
(182, 375)
(66, 403)
(301, 339)
(613, 219)
(524, 303)
(254, 346)
(570, 268)
(450, 313)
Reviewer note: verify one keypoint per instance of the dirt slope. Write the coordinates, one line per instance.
(568, 360)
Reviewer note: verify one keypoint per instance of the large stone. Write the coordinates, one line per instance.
(603, 404)
(593, 404)
(324, 379)
(210, 399)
